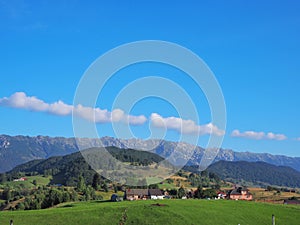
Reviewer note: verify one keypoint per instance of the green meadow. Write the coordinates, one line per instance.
(158, 212)
(40, 180)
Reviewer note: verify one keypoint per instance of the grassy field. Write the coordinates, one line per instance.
(107, 195)
(29, 182)
(259, 194)
(147, 212)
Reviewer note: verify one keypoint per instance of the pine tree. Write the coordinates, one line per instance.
(181, 192)
(96, 181)
(81, 184)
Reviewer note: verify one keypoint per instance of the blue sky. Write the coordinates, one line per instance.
(253, 49)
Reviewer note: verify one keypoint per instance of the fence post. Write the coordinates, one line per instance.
(273, 219)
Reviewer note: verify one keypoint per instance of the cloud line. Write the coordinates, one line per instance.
(258, 135)
(20, 100)
(184, 126)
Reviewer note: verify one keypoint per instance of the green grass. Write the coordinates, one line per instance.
(28, 183)
(143, 212)
(107, 195)
(166, 185)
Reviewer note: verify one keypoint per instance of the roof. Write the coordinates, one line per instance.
(137, 192)
(244, 189)
(238, 191)
(155, 192)
(234, 192)
(140, 192)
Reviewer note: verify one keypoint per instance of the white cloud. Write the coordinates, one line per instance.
(184, 126)
(98, 115)
(22, 101)
(60, 108)
(258, 135)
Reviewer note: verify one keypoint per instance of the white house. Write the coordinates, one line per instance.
(156, 194)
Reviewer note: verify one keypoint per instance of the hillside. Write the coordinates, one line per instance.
(257, 173)
(157, 212)
(16, 150)
(66, 169)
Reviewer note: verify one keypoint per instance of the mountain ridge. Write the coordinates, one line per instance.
(16, 150)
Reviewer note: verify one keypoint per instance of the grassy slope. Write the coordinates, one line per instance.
(175, 212)
(29, 183)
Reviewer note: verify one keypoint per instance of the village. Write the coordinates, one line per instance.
(240, 193)
(158, 194)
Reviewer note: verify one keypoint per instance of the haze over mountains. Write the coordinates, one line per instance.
(16, 150)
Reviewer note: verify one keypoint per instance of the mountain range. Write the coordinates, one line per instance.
(16, 150)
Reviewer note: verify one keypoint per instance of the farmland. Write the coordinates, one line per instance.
(157, 212)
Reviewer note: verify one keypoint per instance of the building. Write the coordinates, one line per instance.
(136, 194)
(240, 194)
(221, 195)
(143, 194)
(155, 194)
(21, 179)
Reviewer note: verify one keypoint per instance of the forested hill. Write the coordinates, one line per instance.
(257, 173)
(66, 169)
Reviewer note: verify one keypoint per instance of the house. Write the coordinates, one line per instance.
(221, 195)
(136, 194)
(155, 194)
(21, 179)
(240, 194)
(143, 194)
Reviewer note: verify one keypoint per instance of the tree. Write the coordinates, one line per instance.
(96, 181)
(81, 184)
(153, 186)
(216, 186)
(6, 194)
(66, 196)
(293, 198)
(209, 193)
(115, 188)
(54, 197)
(199, 192)
(3, 178)
(181, 192)
(87, 194)
(20, 206)
(204, 173)
(105, 187)
(173, 192)
(73, 196)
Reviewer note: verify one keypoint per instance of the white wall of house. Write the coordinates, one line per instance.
(157, 197)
